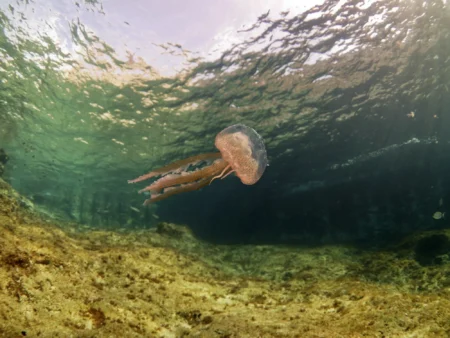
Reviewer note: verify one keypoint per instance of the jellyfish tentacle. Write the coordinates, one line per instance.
(221, 174)
(228, 173)
(181, 164)
(186, 177)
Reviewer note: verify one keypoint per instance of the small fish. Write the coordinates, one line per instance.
(441, 202)
(135, 209)
(411, 115)
(439, 215)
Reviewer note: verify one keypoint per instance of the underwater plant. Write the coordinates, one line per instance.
(242, 152)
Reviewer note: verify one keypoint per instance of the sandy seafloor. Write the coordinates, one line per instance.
(63, 280)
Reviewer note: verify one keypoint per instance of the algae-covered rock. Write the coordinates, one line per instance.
(420, 262)
(173, 230)
(15, 207)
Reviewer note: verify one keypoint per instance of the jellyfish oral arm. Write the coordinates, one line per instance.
(177, 190)
(186, 177)
(176, 180)
(177, 165)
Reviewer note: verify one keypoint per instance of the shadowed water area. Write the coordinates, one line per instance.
(351, 98)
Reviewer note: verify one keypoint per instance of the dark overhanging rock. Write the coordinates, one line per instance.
(431, 250)
(3, 160)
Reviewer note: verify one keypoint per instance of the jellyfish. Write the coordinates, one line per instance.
(241, 151)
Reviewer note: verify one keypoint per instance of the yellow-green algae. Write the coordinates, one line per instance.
(60, 280)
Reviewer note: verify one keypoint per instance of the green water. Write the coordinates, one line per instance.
(330, 91)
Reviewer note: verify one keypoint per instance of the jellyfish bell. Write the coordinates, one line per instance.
(242, 152)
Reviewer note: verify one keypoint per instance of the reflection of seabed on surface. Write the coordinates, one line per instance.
(380, 152)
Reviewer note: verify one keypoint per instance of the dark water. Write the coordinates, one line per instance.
(351, 97)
